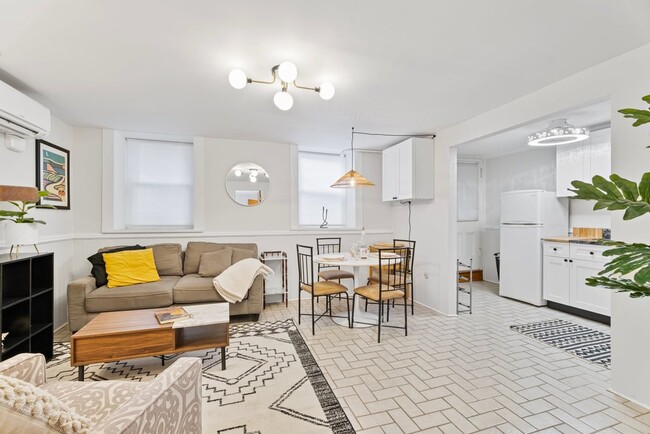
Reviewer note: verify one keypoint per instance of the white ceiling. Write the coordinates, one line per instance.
(516, 139)
(398, 67)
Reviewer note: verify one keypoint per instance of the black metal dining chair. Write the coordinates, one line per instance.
(407, 268)
(391, 285)
(322, 288)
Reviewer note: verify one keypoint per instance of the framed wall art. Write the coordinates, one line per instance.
(53, 174)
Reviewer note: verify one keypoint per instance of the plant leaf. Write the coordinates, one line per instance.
(8, 213)
(628, 188)
(644, 187)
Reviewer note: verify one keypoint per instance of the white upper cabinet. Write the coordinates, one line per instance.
(583, 160)
(407, 171)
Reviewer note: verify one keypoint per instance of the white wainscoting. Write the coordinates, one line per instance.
(469, 247)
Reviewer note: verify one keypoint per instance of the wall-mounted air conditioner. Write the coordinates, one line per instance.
(21, 116)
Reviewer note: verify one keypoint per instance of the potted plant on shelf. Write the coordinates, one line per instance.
(628, 273)
(21, 229)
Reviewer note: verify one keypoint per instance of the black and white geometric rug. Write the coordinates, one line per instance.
(581, 341)
(272, 383)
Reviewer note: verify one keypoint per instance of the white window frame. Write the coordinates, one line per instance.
(349, 201)
(479, 169)
(113, 178)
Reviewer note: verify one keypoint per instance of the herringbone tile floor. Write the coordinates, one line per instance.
(465, 374)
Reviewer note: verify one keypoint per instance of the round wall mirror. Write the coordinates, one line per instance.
(248, 184)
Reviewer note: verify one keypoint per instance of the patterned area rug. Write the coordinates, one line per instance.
(581, 341)
(272, 383)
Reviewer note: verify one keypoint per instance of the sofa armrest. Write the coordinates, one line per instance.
(77, 292)
(171, 403)
(27, 367)
(256, 296)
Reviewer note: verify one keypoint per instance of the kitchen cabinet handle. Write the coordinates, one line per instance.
(555, 249)
(394, 197)
(566, 260)
(591, 253)
(570, 260)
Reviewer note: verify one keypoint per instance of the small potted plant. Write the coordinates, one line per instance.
(20, 228)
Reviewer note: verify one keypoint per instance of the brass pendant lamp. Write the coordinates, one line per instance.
(352, 179)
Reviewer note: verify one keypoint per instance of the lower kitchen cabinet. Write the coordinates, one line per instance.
(556, 280)
(592, 299)
(566, 269)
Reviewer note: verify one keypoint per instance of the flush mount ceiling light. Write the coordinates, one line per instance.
(352, 179)
(558, 133)
(286, 72)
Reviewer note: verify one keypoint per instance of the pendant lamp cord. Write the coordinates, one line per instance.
(352, 147)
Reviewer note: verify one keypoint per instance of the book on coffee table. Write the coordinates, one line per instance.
(171, 314)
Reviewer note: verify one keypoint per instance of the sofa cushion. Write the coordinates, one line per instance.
(142, 296)
(196, 248)
(94, 399)
(239, 254)
(214, 263)
(130, 268)
(25, 408)
(193, 288)
(99, 266)
(168, 258)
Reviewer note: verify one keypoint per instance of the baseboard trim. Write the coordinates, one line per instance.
(603, 319)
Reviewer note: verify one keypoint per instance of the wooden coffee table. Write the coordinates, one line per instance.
(113, 336)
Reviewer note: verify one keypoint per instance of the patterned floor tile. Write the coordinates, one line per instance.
(464, 374)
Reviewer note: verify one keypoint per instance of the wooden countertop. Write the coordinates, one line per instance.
(568, 239)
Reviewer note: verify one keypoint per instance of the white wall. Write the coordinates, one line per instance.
(268, 224)
(19, 168)
(76, 234)
(435, 248)
(624, 79)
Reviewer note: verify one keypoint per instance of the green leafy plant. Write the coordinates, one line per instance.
(23, 208)
(629, 271)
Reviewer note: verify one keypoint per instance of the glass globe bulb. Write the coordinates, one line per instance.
(283, 100)
(287, 71)
(326, 90)
(237, 172)
(252, 178)
(237, 78)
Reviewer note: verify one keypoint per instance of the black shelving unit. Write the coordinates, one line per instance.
(27, 304)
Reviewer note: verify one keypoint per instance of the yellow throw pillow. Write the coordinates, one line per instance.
(130, 267)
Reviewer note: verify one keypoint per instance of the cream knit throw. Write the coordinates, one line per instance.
(23, 397)
(234, 282)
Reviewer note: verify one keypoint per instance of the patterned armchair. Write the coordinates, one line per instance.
(169, 404)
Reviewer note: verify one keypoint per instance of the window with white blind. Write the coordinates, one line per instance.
(468, 191)
(159, 184)
(316, 172)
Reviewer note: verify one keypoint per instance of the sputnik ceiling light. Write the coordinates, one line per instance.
(559, 132)
(286, 72)
(352, 179)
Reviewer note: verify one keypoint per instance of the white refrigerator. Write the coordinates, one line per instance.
(527, 216)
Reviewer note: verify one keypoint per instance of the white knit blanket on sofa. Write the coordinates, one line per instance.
(234, 282)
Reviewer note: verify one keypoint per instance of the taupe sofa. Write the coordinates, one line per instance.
(179, 283)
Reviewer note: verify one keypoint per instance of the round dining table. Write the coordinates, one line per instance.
(356, 264)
